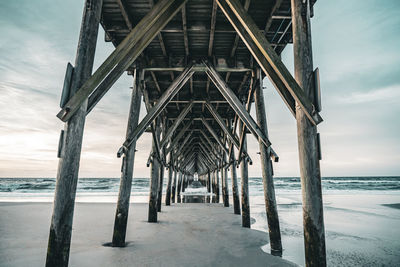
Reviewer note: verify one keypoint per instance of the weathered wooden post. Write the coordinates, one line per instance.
(267, 175)
(154, 179)
(245, 182)
(169, 182)
(68, 167)
(235, 190)
(184, 180)
(213, 186)
(208, 186)
(160, 187)
(217, 189)
(178, 193)
(173, 193)
(225, 187)
(313, 218)
(121, 215)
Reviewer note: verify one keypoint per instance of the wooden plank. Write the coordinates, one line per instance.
(269, 61)
(66, 91)
(123, 55)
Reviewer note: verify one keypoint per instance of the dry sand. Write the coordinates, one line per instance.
(186, 235)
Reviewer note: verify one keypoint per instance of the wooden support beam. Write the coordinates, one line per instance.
(267, 58)
(215, 135)
(161, 177)
(184, 28)
(172, 90)
(169, 183)
(270, 17)
(68, 166)
(222, 124)
(234, 102)
(235, 190)
(154, 180)
(179, 188)
(310, 173)
(178, 137)
(121, 214)
(225, 188)
(175, 125)
(122, 57)
(236, 42)
(245, 184)
(267, 175)
(209, 147)
(125, 14)
(212, 27)
(173, 193)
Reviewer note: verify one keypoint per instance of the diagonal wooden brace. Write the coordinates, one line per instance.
(122, 57)
(163, 101)
(234, 102)
(268, 60)
(176, 123)
(215, 135)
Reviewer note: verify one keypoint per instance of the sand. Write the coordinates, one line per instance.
(186, 235)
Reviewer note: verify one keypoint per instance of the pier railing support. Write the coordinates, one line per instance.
(267, 175)
(68, 167)
(313, 218)
(244, 182)
(121, 215)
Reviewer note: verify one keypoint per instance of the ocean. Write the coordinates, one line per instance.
(361, 213)
(29, 188)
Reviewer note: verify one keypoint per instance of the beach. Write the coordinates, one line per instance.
(361, 224)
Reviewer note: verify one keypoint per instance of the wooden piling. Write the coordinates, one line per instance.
(267, 175)
(160, 187)
(313, 219)
(154, 179)
(169, 182)
(178, 189)
(245, 183)
(225, 187)
(68, 167)
(121, 215)
(208, 186)
(173, 193)
(217, 188)
(235, 190)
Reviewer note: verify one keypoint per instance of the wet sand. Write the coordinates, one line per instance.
(186, 235)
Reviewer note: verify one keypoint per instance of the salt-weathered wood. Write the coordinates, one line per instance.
(121, 214)
(169, 183)
(178, 193)
(68, 167)
(234, 102)
(160, 188)
(122, 57)
(269, 61)
(154, 180)
(244, 178)
(217, 187)
(225, 188)
(235, 190)
(267, 175)
(172, 90)
(175, 125)
(173, 193)
(214, 134)
(313, 217)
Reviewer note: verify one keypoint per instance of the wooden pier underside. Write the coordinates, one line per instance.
(200, 31)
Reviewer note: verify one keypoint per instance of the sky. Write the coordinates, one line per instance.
(355, 46)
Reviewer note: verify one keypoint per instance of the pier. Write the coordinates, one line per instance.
(198, 66)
